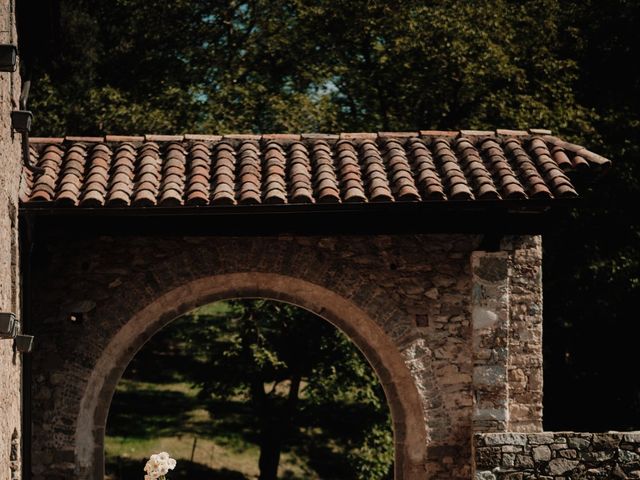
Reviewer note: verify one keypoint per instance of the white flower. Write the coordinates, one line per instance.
(158, 466)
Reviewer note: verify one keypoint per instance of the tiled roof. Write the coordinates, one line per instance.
(196, 170)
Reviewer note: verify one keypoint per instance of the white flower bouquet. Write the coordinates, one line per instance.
(158, 466)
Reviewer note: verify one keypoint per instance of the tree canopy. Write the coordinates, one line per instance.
(306, 387)
(138, 66)
(145, 66)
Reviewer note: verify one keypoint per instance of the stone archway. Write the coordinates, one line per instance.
(404, 300)
(391, 367)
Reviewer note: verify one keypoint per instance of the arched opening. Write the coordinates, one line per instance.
(251, 389)
(407, 411)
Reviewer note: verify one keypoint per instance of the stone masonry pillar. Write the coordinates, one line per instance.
(490, 340)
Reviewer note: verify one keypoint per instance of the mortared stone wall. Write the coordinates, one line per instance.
(557, 456)
(452, 332)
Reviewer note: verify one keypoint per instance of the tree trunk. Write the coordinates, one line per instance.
(270, 446)
(276, 425)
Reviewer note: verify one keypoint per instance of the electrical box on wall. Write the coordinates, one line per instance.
(8, 325)
(21, 120)
(8, 58)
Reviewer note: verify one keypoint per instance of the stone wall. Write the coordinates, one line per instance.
(9, 279)
(405, 300)
(557, 455)
(506, 314)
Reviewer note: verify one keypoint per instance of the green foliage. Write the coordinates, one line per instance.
(296, 373)
(286, 65)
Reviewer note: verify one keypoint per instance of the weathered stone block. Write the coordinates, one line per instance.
(578, 443)
(606, 440)
(568, 453)
(485, 475)
(541, 453)
(490, 375)
(598, 456)
(505, 439)
(508, 459)
(629, 458)
(524, 461)
(541, 438)
(559, 466)
(492, 268)
(488, 457)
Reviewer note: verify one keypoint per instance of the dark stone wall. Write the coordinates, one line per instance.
(557, 455)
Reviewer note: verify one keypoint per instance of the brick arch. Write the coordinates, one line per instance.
(394, 372)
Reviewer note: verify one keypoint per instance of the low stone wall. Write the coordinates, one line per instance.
(557, 455)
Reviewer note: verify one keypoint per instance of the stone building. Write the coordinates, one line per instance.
(10, 361)
(424, 248)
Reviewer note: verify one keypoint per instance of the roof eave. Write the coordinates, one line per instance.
(530, 216)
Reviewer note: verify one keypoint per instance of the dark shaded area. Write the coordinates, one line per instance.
(125, 468)
(592, 262)
(152, 413)
(149, 413)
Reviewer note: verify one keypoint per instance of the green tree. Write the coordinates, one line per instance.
(134, 66)
(298, 373)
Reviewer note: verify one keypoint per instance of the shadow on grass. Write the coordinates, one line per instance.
(149, 413)
(120, 468)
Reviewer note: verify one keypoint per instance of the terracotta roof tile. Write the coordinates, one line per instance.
(475, 169)
(455, 181)
(510, 133)
(72, 139)
(163, 138)
(173, 175)
(396, 135)
(281, 136)
(375, 175)
(248, 169)
(526, 169)
(299, 174)
(123, 138)
(319, 136)
(400, 174)
(71, 176)
(45, 140)
(437, 133)
(202, 138)
(241, 136)
(503, 175)
(358, 136)
(539, 131)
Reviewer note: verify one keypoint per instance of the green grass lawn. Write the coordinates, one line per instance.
(147, 418)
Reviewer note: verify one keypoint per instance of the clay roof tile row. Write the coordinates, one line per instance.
(248, 169)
